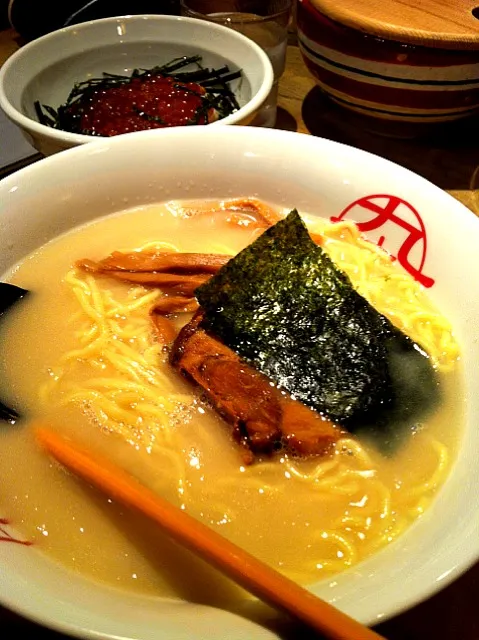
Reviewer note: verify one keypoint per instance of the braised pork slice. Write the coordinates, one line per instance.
(263, 418)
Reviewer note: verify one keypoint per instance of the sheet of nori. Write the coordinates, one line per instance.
(289, 311)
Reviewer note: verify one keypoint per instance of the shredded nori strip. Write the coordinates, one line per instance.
(9, 295)
(289, 311)
(7, 414)
(219, 95)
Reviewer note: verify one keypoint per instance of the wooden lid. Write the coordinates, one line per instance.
(446, 24)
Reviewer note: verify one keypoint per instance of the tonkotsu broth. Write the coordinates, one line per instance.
(297, 526)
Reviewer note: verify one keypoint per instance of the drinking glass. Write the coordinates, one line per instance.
(264, 21)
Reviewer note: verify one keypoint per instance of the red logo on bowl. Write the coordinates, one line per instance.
(7, 537)
(408, 246)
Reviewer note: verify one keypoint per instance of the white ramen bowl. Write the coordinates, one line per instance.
(292, 170)
(47, 68)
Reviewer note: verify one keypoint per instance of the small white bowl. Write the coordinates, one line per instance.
(47, 68)
(291, 170)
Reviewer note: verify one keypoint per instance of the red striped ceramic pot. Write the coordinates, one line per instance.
(387, 79)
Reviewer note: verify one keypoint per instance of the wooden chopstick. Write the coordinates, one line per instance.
(246, 570)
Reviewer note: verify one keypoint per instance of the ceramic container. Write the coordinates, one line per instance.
(435, 239)
(386, 79)
(47, 68)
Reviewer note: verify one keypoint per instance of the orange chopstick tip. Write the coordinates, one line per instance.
(42, 434)
(47, 437)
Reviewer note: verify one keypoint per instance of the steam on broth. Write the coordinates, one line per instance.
(82, 354)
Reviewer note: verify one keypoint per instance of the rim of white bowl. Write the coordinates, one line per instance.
(314, 146)
(79, 139)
